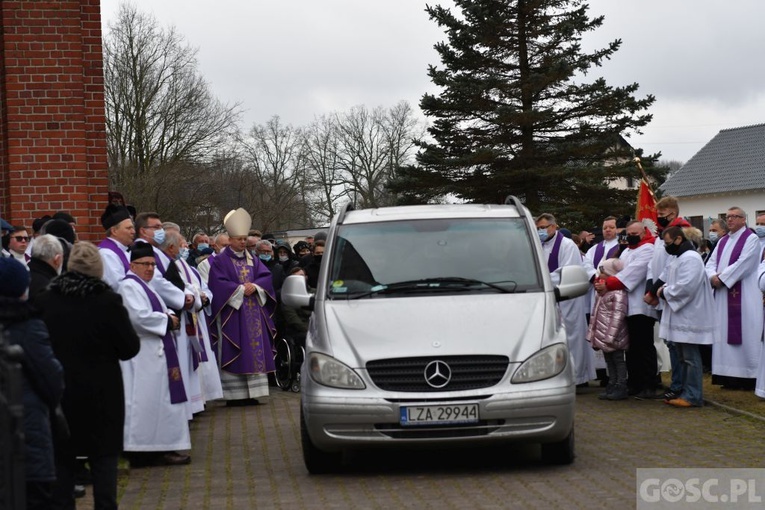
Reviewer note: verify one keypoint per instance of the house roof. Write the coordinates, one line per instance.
(734, 160)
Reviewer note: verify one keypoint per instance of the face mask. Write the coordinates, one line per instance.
(633, 240)
(760, 230)
(317, 258)
(543, 235)
(284, 258)
(713, 236)
(672, 249)
(264, 257)
(159, 236)
(202, 246)
(184, 253)
(663, 222)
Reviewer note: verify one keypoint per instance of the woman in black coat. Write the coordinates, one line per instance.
(90, 331)
(42, 380)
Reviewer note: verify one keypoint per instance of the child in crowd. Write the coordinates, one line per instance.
(608, 332)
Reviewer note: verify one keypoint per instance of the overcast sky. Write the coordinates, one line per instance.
(702, 59)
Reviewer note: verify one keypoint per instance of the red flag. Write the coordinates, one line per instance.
(646, 203)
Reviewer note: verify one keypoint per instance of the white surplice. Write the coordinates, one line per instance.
(207, 371)
(760, 388)
(574, 312)
(114, 269)
(152, 422)
(737, 360)
(689, 304)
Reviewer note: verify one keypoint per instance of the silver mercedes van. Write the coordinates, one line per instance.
(435, 325)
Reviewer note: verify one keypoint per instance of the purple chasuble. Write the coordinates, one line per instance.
(177, 392)
(552, 261)
(244, 346)
(111, 245)
(599, 249)
(734, 293)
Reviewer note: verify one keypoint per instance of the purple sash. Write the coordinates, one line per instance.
(174, 378)
(191, 326)
(109, 244)
(160, 265)
(599, 249)
(552, 261)
(734, 294)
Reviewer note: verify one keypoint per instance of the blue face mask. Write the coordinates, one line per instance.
(760, 230)
(264, 257)
(543, 235)
(713, 236)
(159, 236)
(202, 246)
(184, 254)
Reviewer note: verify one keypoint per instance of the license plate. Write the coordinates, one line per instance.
(439, 415)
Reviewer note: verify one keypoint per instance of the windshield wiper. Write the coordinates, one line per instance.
(448, 283)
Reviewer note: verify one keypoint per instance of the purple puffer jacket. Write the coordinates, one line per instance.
(608, 323)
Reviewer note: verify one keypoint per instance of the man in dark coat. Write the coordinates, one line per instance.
(45, 264)
(43, 381)
(91, 331)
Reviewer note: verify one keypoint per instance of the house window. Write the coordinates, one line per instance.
(696, 221)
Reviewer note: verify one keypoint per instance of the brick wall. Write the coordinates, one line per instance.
(52, 127)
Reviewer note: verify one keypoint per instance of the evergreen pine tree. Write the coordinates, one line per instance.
(516, 115)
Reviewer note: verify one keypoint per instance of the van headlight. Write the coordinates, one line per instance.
(330, 372)
(547, 363)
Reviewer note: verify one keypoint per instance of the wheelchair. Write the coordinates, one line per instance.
(288, 357)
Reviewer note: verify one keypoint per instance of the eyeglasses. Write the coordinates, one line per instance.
(732, 216)
(153, 227)
(21, 239)
(146, 264)
(542, 227)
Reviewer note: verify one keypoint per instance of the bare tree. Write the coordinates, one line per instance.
(321, 150)
(273, 154)
(160, 113)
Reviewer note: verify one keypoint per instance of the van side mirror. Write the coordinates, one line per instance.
(573, 283)
(295, 292)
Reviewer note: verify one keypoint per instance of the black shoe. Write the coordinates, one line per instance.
(79, 491)
(671, 395)
(176, 459)
(649, 395)
(619, 393)
(142, 459)
(243, 402)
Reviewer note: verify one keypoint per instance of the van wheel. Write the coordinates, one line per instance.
(560, 452)
(316, 461)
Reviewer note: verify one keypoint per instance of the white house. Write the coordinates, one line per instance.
(729, 171)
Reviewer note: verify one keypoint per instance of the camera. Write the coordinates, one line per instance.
(622, 238)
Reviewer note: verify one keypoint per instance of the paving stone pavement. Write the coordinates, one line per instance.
(249, 457)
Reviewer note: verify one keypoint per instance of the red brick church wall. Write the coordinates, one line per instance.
(52, 124)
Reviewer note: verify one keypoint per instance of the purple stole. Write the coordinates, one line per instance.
(734, 294)
(177, 392)
(599, 249)
(552, 261)
(191, 327)
(158, 260)
(109, 244)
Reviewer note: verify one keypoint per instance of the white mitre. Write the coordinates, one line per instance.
(237, 223)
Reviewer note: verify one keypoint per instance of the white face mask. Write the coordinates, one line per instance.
(284, 258)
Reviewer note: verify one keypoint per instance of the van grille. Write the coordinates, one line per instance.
(408, 374)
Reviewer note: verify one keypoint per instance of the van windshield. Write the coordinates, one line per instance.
(417, 257)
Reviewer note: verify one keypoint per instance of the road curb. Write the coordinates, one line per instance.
(733, 410)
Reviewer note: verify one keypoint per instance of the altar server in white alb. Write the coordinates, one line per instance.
(732, 272)
(156, 422)
(560, 252)
(688, 317)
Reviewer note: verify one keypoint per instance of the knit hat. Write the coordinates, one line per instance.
(610, 267)
(14, 278)
(60, 228)
(85, 258)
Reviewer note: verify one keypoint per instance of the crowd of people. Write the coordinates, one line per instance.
(706, 294)
(126, 341)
